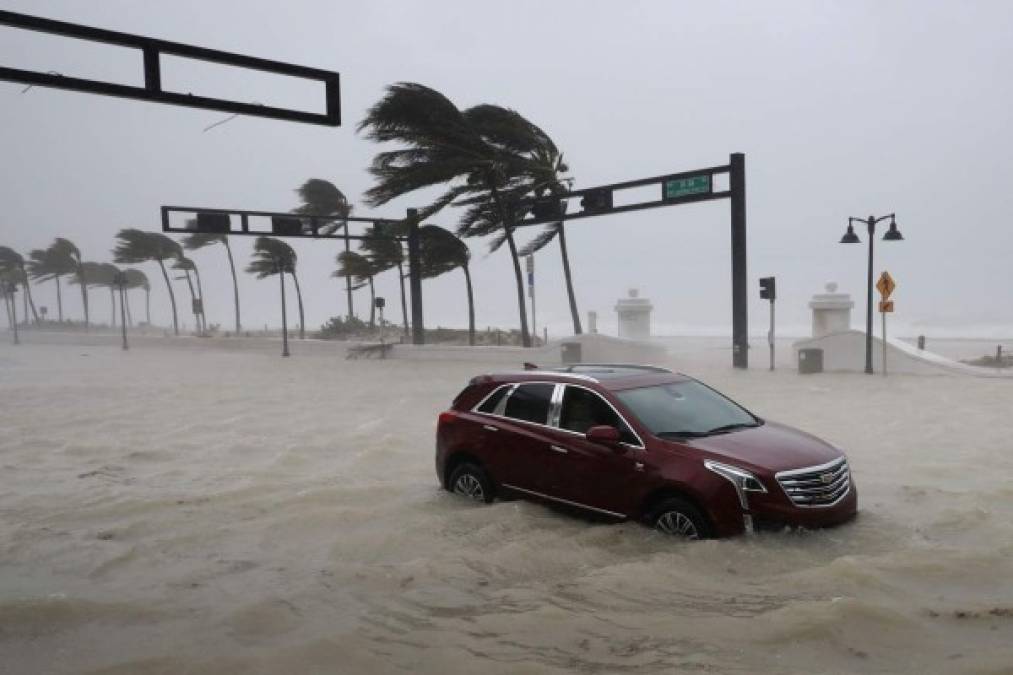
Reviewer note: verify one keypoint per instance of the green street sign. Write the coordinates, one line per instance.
(683, 187)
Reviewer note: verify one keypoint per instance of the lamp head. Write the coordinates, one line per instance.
(893, 234)
(850, 237)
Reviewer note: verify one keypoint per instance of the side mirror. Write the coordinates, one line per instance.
(603, 434)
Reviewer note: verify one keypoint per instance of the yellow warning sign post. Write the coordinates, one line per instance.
(885, 286)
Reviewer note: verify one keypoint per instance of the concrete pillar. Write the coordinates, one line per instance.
(831, 311)
(634, 316)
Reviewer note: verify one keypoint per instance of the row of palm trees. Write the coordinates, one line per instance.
(489, 160)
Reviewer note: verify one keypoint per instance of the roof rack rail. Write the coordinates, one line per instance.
(628, 366)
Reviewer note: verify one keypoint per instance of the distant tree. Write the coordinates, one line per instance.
(384, 250)
(441, 252)
(273, 256)
(138, 279)
(135, 246)
(199, 240)
(360, 268)
(322, 197)
(12, 266)
(52, 263)
(66, 249)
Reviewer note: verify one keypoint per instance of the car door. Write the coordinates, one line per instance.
(588, 473)
(520, 424)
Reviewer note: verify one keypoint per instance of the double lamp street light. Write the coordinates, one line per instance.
(893, 234)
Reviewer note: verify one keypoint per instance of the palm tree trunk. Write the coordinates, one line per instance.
(130, 317)
(372, 305)
(172, 299)
(147, 306)
(84, 296)
(302, 317)
(235, 284)
(404, 306)
(471, 306)
(7, 308)
(348, 278)
(518, 276)
(112, 301)
(284, 317)
(193, 304)
(59, 300)
(24, 304)
(200, 295)
(574, 314)
(28, 292)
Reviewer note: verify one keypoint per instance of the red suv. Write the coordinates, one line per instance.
(639, 442)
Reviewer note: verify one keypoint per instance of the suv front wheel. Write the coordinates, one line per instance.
(471, 481)
(679, 518)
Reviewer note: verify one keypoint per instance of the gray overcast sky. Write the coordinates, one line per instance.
(842, 108)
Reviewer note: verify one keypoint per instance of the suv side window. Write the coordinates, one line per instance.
(489, 405)
(530, 402)
(583, 409)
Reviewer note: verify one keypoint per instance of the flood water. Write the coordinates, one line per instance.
(209, 511)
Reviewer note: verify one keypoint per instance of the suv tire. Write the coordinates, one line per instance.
(679, 518)
(470, 480)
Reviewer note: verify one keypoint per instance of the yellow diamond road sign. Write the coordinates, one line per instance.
(885, 285)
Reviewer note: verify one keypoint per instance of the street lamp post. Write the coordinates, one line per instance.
(893, 234)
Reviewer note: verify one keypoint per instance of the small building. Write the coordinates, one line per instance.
(831, 311)
(634, 316)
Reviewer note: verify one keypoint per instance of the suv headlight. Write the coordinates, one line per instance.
(743, 480)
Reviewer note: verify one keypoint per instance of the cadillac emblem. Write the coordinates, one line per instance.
(827, 478)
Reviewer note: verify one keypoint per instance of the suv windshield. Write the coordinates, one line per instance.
(685, 408)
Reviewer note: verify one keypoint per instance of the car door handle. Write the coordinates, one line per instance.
(489, 428)
(556, 448)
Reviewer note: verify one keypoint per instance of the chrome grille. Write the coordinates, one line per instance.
(816, 486)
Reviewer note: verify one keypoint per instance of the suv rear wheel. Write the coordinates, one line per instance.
(471, 481)
(679, 518)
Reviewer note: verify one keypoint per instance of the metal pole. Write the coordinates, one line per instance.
(531, 293)
(770, 335)
(868, 305)
(884, 343)
(740, 301)
(415, 277)
(284, 316)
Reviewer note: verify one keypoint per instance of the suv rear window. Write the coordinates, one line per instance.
(489, 405)
(530, 402)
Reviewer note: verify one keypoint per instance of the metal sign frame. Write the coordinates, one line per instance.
(598, 200)
(152, 91)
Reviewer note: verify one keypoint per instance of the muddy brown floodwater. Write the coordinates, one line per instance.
(209, 511)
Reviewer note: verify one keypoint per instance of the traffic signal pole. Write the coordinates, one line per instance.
(768, 291)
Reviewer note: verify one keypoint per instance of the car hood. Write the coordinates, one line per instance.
(770, 446)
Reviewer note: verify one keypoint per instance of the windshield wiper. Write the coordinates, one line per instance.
(732, 427)
(682, 434)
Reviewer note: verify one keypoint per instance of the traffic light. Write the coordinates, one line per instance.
(548, 207)
(286, 227)
(213, 223)
(768, 290)
(596, 200)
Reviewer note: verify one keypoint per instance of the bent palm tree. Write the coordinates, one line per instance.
(441, 252)
(270, 257)
(52, 263)
(135, 246)
(485, 152)
(67, 249)
(354, 265)
(385, 252)
(187, 266)
(138, 279)
(199, 240)
(322, 197)
(12, 265)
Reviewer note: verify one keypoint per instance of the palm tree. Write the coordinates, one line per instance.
(199, 240)
(138, 279)
(106, 277)
(362, 269)
(442, 252)
(485, 152)
(384, 250)
(52, 263)
(187, 266)
(322, 197)
(135, 246)
(12, 264)
(65, 248)
(273, 256)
